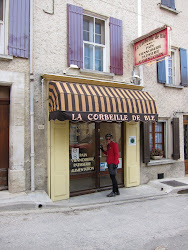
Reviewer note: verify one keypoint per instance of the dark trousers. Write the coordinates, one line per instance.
(114, 183)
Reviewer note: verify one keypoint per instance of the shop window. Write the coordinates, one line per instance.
(156, 136)
(94, 43)
(168, 3)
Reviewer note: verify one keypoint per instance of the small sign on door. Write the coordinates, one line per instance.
(75, 153)
(132, 140)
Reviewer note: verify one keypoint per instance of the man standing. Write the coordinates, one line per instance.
(112, 162)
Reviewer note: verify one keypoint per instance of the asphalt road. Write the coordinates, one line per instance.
(148, 224)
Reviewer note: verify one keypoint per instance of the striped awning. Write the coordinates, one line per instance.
(83, 102)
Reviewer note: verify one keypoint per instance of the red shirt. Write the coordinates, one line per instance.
(112, 153)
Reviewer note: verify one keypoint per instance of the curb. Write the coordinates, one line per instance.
(49, 207)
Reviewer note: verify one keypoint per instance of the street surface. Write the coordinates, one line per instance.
(147, 224)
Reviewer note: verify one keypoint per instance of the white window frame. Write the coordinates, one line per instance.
(104, 46)
(174, 67)
(4, 30)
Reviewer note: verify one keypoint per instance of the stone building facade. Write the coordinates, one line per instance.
(51, 60)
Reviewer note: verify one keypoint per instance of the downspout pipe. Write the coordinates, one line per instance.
(32, 153)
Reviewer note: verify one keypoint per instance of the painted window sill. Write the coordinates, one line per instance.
(97, 73)
(163, 161)
(173, 86)
(5, 57)
(169, 9)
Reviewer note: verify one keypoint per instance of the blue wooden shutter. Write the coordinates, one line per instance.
(183, 66)
(161, 68)
(169, 3)
(19, 28)
(116, 46)
(75, 35)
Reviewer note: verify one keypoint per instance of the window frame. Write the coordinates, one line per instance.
(2, 31)
(104, 46)
(174, 68)
(164, 137)
(4, 49)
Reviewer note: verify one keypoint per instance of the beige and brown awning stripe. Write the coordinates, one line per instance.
(82, 102)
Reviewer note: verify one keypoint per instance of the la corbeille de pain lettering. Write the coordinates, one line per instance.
(112, 117)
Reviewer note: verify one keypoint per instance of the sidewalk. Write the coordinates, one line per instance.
(40, 200)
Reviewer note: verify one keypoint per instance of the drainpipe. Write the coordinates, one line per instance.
(32, 153)
(141, 73)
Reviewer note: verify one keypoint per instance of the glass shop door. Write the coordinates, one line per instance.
(88, 169)
(116, 130)
(82, 160)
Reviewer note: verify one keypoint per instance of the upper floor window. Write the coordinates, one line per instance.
(173, 70)
(2, 25)
(90, 40)
(168, 3)
(94, 43)
(14, 28)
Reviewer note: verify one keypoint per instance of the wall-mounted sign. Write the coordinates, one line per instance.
(132, 140)
(154, 45)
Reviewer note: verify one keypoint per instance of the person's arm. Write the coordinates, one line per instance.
(104, 152)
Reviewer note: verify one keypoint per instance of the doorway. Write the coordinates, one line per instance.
(4, 136)
(88, 169)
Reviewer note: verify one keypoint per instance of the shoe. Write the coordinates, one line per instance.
(112, 194)
(117, 193)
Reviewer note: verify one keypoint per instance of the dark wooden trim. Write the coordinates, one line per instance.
(146, 150)
(176, 143)
(5, 101)
(97, 153)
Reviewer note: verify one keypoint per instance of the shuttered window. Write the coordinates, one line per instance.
(168, 3)
(156, 136)
(116, 47)
(86, 41)
(19, 28)
(168, 69)
(2, 26)
(183, 65)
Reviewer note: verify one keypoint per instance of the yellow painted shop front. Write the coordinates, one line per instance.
(79, 117)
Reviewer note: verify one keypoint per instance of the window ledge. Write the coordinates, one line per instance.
(169, 9)
(173, 86)
(97, 73)
(5, 57)
(163, 161)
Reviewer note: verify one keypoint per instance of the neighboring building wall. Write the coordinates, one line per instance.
(14, 72)
(169, 99)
